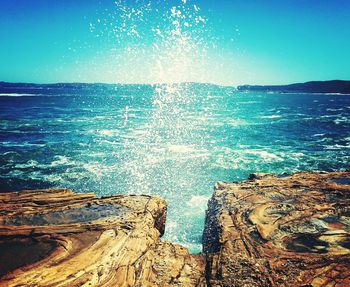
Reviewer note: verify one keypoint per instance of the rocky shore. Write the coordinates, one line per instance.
(265, 231)
(280, 231)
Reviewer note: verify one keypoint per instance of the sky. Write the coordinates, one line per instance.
(228, 42)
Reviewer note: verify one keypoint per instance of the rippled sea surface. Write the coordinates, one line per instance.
(173, 141)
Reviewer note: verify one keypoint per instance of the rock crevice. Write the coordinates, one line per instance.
(265, 231)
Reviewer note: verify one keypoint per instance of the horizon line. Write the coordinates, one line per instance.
(169, 83)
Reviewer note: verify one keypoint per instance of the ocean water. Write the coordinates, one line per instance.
(174, 141)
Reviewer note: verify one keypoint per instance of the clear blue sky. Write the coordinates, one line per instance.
(254, 42)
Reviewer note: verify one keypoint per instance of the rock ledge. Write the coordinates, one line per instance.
(289, 230)
(280, 231)
(57, 238)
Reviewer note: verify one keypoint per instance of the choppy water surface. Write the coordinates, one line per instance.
(174, 141)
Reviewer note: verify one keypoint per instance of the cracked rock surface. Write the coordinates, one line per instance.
(57, 238)
(280, 231)
(265, 231)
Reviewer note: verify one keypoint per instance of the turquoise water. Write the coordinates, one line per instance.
(175, 141)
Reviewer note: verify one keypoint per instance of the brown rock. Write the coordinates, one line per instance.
(57, 238)
(266, 231)
(280, 231)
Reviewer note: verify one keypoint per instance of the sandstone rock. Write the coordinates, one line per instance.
(280, 231)
(265, 231)
(57, 238)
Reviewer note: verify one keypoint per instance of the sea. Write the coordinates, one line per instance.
(172, 140)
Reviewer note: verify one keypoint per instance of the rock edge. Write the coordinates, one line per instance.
(289, 230)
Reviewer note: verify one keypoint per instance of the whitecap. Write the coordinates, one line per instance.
(10, 153)
(334, 110)
(108, 133)
(297, 154)
(271, 117)
(341, 120)
(336, 147)
(267, 156)
(17, 95)
(25, 144)
(29, 163)
(61, 160)
(198, 202)
(109, 142)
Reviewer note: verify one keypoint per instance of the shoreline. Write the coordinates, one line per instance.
(262, 231)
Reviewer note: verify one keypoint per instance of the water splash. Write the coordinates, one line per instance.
(167, 159)
(165, 42)
(180, 49)
(168, 156)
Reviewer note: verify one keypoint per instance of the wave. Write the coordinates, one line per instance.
(271, 117)
(198, 204)
(342, 120)
(334, 94)
(18, 95)
(264, 155)
(24, 144)
(334, 110)
(336, 147)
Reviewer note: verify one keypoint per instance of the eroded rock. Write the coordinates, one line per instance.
(265, 231)
(280, 231)
(57, 238)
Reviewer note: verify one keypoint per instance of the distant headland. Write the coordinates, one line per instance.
(335, 86)
(324, 87)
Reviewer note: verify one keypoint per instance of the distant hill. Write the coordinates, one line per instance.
(66, 88)
(336, 86)
(84, 86)
(90, 88)
(60, 85)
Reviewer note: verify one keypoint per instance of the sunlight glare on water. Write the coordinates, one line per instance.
(168, 154)
(173, 138)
